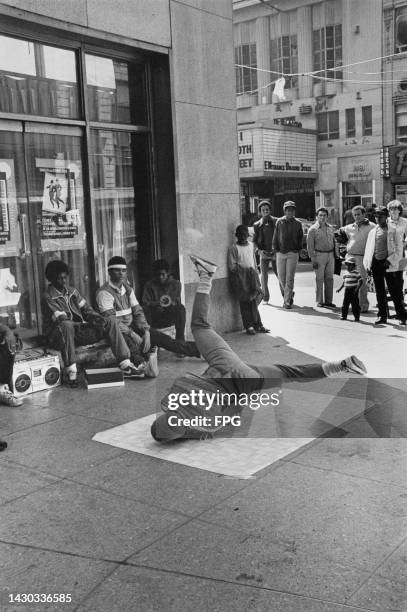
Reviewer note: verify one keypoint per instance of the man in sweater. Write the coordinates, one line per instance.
(162, 300)
(287, 243)
(263, 241)
(116, 300)
(357, 234)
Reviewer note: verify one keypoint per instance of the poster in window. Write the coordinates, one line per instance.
(9, 237)
(60, 220)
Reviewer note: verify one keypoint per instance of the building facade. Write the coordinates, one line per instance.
(394, 157)
(327, 132)
(117, 137)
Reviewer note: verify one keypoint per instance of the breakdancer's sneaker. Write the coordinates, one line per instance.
(353, 364)
(203, 264)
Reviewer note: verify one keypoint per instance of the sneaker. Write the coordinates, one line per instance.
(320, 304)
(206, 265)
(72, 380)
(251, 331)
(133, 371)
(353, 364)
(8, 399)
(330, 304)
(262, 330)
(287, 306)
(343, 318)
(151, 366)
(380, 321)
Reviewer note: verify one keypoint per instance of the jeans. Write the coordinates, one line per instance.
(264, 274)
(286, 266)
(68, 334)
(172, 315)
(324, 277)
(394, 282)
(6, 365)
(379, 273)
(134, 338)
(224, 362)
(250, 314)
(363, 299)
(351, 297)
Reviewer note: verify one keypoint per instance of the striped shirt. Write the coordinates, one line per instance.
(351, 279)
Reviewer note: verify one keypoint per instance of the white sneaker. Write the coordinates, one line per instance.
(151, 366)
(8, 399)
(206, 265)
(132, 371)
(353, 364)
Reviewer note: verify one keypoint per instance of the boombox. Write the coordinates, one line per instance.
(35, 370)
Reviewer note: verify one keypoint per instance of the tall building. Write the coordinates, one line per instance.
(117, 137)
(319, 141)
(394, 160)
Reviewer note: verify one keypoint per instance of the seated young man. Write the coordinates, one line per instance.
(116, 299)
(226, 373)
(7, 354)
(70, 321)
(162, 300)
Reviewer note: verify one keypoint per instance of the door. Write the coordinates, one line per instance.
(42, 216)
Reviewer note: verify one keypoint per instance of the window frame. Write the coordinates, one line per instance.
(284, 63)
(350, 118)
(331, 121)
(367, 120)
(246, 78)
(321, 51)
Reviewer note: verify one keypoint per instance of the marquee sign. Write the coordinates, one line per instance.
(268, 151)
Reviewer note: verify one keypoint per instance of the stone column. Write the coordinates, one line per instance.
(304, 41)
(263, 59)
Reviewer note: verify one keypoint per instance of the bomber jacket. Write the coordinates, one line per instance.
(288, 235)
(68, 303)
(264, 232)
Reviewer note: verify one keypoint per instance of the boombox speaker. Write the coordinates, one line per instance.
(35, 370)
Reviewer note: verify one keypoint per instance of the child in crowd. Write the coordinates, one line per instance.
(352, 281)
(245, 281)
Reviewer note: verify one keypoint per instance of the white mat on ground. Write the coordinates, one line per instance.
(238, 457)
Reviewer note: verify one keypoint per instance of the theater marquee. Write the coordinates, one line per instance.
(277, 152)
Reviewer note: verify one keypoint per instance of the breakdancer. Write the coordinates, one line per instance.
(226, 375)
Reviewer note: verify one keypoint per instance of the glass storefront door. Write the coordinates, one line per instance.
(42, 216)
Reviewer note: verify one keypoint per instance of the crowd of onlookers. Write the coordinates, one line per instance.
(372, 253)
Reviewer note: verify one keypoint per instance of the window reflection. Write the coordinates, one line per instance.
(113, 197)
(116, 90)
(37, 79)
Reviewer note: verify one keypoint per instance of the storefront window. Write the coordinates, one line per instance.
(42, 223)
(37, 79)
(357, 192)
(117, 196)
(115, 90)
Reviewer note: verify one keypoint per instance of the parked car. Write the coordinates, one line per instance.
(306, 224)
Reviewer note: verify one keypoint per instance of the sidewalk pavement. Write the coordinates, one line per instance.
(321, 530)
